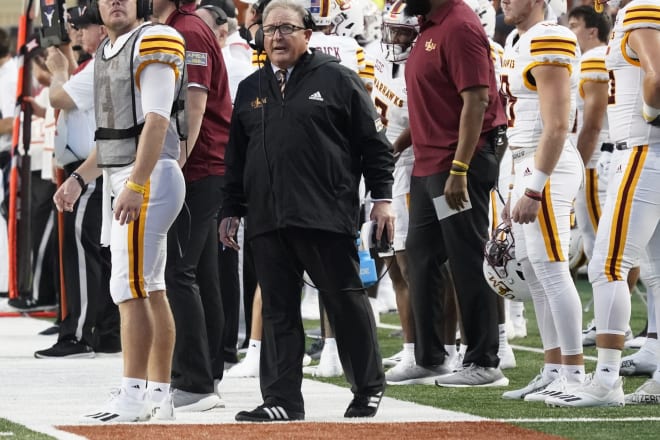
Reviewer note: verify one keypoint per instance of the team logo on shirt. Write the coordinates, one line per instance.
(258, 102)
(430, 45)
(196, 58)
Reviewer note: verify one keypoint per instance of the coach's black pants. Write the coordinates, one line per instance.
(193, 288)
(92, 317)
(459, 238)
(331, 261)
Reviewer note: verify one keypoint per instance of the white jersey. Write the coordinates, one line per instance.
(496, 54)
(592, 68)
(626, 76)
(8, 80)
(544, 43)
(346, 49)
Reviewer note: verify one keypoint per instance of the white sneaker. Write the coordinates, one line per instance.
(393, 360)
(507, 358)
(122, 408)
(557, 387)
(248, 367)
(589, 334)
(329, 363)
(186, 401)
(536, 384)
(636, 342)
(473, 375)
(642, 363)
(647, 394)
(590, 394)
(163, 410)
(216, 388)
(413, 374)
(307, 359)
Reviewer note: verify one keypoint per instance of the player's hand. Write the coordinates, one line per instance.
(455, 192)
(127, 206)
(526, 210)
(227, 232)
(67, 195)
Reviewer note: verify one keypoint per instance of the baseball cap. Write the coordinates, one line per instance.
(83, 15)
(226, 5)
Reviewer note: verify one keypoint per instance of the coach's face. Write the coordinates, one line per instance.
(283, 50)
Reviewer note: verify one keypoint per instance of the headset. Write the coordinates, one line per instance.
(308, 23)
(143, 9)
(220, 15)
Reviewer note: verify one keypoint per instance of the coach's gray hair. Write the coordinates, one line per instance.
(294, 5)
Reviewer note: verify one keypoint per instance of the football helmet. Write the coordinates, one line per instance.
(399, 33)
(486, 13)
(373, 23)
(503, 272)
(346, 20)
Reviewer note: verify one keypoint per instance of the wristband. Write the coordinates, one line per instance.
(534, 195)
(461, 165)
(78, 178)
(457, 172)
(140, 189)
(650, 113)
(536, 181)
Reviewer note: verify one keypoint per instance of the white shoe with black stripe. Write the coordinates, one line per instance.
(122, 408)
(269, 413)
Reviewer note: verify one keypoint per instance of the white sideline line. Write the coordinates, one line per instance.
(580, 419)
(540, 350)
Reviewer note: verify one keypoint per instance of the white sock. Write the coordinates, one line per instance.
(253, 347)
(573, 373)
(450, 349)
(502, 333)
(408, 352)
(135, 388)
(158, 391)
(607, 368)
(330, 344)
(551, 371)
(462, 349)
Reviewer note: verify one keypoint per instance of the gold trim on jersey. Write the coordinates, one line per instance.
(621, 217)
(493, 204)
(642, 14)
(136, 248)
(368, 71)
(359, 54)
(591, 194)
(144, 64)
(527, 71)
(553, 46)
(593, 65)
(258, 60)
(624, 44)
(584, 80)
(162, 43)
(548, 226)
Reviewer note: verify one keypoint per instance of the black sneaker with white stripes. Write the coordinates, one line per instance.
(269, 413)
(364, 405)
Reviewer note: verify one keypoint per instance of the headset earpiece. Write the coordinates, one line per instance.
(259, 40)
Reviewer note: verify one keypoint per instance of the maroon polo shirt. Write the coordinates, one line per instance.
(205, 67)
(451, 54)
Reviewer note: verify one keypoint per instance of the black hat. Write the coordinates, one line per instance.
(83, 15)
(226, 5)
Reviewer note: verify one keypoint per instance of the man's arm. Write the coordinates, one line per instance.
(59, 68)
(646, 44)
(195, 107)
(595, 106)
(6, 125)
(403, 141)
(475, 102)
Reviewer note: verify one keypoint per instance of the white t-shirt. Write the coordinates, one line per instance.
(8, 84)
(74, 139)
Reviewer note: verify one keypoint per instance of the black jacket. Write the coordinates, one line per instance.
(297, 161)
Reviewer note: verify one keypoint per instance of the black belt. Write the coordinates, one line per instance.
(621, 145)
(607, 146)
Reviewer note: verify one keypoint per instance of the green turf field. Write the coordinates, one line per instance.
(583, 424)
